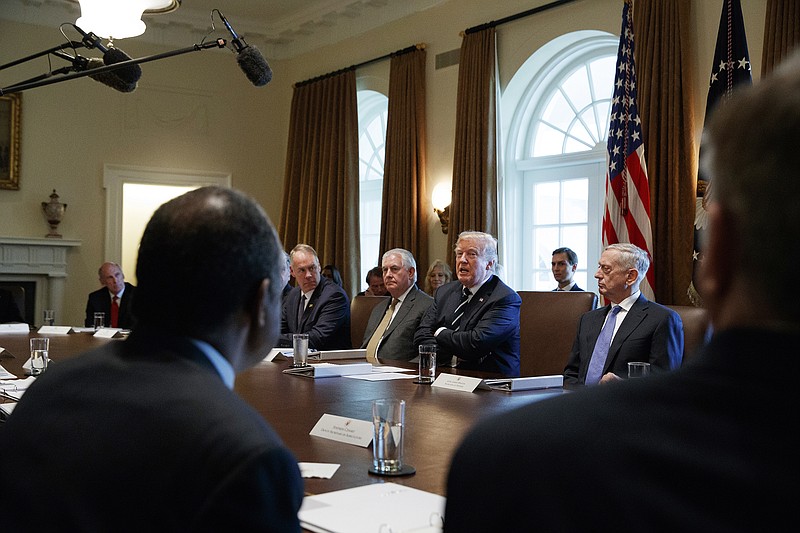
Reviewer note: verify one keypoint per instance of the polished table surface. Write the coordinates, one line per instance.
(436, 418)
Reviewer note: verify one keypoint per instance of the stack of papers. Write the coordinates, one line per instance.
(360, 353)
(326, 370)
(15, 388)
(371, 508)
(529, 383)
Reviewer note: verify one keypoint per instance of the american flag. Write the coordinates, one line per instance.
(627, 213)
(731, 68)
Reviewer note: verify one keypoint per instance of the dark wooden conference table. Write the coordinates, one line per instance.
(436, 418)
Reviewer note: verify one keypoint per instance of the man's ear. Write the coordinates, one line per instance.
(262, 302)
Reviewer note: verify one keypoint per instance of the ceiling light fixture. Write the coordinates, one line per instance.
(119, 19)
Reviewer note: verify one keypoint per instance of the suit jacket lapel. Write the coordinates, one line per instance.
(632, 320)
(408, 304)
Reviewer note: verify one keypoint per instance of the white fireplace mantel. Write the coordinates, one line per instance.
(43, 261)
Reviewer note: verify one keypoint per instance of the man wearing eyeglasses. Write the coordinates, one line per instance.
(474, 320)
(316, 306)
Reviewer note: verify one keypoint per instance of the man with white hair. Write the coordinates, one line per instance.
(391, 326)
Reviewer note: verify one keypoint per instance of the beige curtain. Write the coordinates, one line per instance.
(406, 206)
(662, 33)
(781, 32)
(320, 193)
(474, 205)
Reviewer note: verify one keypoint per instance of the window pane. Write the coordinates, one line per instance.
(548, 141)
(546, 203)
(575, 201)
(602, 71)
(558, 112)
(577, 88)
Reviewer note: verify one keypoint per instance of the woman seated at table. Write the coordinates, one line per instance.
(438, 274)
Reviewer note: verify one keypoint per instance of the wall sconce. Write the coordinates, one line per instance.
(441, 199)
(118, 19)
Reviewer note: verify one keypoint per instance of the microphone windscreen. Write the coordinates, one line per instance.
(254, 66)
(110, 78)
(128, 74)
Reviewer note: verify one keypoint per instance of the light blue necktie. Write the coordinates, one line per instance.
(600, 352)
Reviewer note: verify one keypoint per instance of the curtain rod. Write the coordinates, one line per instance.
(511, 18)
(420, 46)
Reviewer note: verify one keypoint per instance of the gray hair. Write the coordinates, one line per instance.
(406, 256)
(631, 256)
(486, 243)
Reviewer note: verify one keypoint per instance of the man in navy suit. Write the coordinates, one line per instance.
(643, 330)
(705, 447)
(147, 434)
(408, 305)
(316, 306)
(101, 300)
(476, 318)
(563, 265)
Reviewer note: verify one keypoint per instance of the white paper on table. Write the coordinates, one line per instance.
(318, 470)
(381, 376)
(15, 327)
(369, 508)
(7, 408)
(54, 330)
(5, 374)
(387, 368)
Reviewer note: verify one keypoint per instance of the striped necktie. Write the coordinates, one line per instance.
(459, 312)
(301, 310)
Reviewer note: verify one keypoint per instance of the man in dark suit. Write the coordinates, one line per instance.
(9, 312)
(115, 291)
(563, 265)
(395, 338)
(475, 319)
(703, 448)
(316, 306)
(147, 433)
(641, 330)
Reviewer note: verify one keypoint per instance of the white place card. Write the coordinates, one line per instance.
(341, 429)
(54, 330)
(454, 382)
(317, 470)
(107, 333)
(15, 327)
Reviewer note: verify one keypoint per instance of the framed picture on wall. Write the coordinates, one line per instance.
(10, 105)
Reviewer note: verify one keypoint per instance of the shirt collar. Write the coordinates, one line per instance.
(223, 367)
(628, 302)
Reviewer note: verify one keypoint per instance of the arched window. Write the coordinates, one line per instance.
(373, 110)
(557, 111)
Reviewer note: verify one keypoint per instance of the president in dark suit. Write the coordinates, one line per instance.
(638, 329)
(475, 319)
(316, 306)
(705, 447)
(114, 286)
(391, 327)
(147, 434)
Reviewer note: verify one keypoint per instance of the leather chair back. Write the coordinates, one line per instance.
(548, 324)
(695, 327)
(360, 308)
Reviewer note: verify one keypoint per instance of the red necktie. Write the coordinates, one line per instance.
(115, 312)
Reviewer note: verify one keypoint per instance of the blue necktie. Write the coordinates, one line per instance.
(600, 352)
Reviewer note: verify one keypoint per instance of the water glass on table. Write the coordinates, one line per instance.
(638, 370)
(300, 349)
(388, 419)
(49, 317)
(427, 364)
(99, 320)
(40, 348)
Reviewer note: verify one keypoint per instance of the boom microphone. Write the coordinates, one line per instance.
(111, 77)
(120, 79)
(250, 59)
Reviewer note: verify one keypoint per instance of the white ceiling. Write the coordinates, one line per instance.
(282, 28)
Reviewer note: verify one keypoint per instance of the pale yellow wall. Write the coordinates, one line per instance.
(198, 111)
